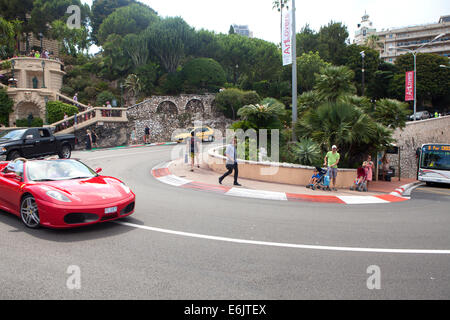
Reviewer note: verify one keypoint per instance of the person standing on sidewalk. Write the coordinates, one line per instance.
(331, 161)
(368, 168)
(193, 147)
(146, 135)
(232, 164)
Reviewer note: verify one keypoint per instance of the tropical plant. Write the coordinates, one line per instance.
(373, 42)
(391, 113)
(133, 84)
(334, 82)
(6, 106)
(265, 115)
(307, 152)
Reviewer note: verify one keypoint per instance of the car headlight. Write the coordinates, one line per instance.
(58, 196)
(126, 188)
(3, 149)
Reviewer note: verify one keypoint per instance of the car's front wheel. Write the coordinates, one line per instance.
(13, 155)
(29, 212)
(65, 153)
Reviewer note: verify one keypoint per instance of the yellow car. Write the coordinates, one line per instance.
(204, 133)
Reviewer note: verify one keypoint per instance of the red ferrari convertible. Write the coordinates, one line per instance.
(61, 193)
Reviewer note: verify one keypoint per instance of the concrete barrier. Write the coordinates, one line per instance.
(284, 173)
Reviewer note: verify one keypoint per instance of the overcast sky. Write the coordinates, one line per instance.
(218, 15)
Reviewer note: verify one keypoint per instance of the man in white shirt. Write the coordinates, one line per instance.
(232, 164)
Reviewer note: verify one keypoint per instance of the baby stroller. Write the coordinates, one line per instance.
(360, 183)
(324, 181)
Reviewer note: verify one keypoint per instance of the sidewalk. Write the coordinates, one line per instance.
(204, 175)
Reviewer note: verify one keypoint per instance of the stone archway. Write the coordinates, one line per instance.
(195, 106)
(167, 108)
(24, 108)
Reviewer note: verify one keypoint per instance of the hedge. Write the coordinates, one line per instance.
(56, 110)
(23, 123)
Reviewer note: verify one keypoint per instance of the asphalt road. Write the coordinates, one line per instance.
(118, 261)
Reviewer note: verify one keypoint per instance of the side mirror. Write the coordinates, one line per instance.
(12, 175)
(29, 137)
(98, 170)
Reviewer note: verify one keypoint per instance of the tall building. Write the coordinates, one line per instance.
(242, 30)
(365, 29)
(413, 37)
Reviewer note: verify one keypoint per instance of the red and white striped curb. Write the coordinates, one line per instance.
(163, 174)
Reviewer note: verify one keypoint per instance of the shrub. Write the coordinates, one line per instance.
(56, 110)
(36, 122)
(203, 73)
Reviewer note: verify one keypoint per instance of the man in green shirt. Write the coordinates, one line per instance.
(331, 161)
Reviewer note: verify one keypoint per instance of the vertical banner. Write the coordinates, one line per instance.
(286, 38)
(409, 86)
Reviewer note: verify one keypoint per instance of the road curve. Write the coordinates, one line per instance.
(123, 261)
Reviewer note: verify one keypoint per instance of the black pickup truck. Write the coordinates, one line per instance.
(34, 143)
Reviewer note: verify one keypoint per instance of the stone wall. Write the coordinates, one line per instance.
(164, 114)
(110, 134)
(413, 136)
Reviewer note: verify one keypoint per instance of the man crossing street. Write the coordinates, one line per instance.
(231, 164)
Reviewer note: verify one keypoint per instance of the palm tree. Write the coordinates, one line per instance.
(265, 115)
(334, 82)
(279, 5)
(391, 113)
(133, 84)
(373, 42)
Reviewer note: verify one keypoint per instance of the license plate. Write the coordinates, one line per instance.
(110, 210)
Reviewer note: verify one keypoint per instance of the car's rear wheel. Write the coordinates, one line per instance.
(65, 153)
(29, 212)
(13, 155)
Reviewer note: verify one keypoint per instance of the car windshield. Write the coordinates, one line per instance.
(12, 135)
(56, 170)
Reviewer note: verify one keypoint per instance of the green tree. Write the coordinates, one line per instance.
(136, 47)
(6, 107)
(334, 82)
(373, 42)
(47, 11)
(6, 38)
(307, 41)
(73, 41)
(391, 113)
(101, 9)
(134, 18)
(433, 82)
(229, 101)
(56, 110)
(203, 73)
(168, 38)
(308, 66)
(105, 96)
(333, 42)
(133, 84)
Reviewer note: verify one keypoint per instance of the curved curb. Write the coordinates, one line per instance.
(405, 190)
(162, 173)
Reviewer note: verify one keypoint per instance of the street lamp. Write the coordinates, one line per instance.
(43, 74)
(363, 54)
(40, 37)
(414, 53)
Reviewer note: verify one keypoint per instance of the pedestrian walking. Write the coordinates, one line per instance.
(192, 145)
(368, 168)
(94, 138)
(331, 161)
(231, 164)
(146, 135)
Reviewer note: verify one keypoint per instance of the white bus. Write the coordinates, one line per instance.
(434, 163)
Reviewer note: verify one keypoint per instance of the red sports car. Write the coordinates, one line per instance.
(61, 193)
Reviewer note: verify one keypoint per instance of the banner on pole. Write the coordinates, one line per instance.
(409, 86)
(286, 38)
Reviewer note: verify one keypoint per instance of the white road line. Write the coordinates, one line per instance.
(361, 199)
(174, 180)
(257, 194)
(123, 155)
(285, 245)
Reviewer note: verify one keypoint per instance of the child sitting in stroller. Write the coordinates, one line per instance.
(315, 179)
(360, 183)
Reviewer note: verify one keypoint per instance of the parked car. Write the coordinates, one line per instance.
(420, 115)
(61, 193)
(34, 142)
(204, 133)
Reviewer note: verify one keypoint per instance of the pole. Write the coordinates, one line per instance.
(415, 85)
(363, 71)
(294, 73)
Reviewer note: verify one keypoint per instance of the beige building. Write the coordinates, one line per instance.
(414, 37)
(37, 81)
(407, 38)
